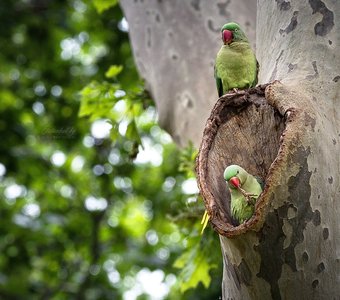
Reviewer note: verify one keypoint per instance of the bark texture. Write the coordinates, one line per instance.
(288, 250)
(175, 43)
(290, 135)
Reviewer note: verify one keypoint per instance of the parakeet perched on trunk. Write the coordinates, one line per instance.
(244, 191)
(236, 66)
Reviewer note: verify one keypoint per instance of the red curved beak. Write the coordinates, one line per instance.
(227, 36)
(235, 182)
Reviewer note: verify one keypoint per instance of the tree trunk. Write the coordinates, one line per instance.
(289, 248)
(174, 44)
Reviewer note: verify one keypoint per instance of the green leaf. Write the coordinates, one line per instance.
(187, 159)
(102, 5)
(132, 132)
(199, 273)
(114, 132)
(134, 219)
(113, 71)
(97, 99)
(195, 266)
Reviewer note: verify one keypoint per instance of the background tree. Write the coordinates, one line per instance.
(288, 249)
(80, 219)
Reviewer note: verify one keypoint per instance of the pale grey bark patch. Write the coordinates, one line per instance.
(283, 5)
(273, 76)
(292, 25)
(326, 24)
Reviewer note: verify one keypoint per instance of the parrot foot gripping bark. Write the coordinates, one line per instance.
(250, 198)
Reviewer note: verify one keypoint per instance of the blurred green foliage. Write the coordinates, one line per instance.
(80, 218)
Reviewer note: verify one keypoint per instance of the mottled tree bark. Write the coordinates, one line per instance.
(288, 133)
(287, 249)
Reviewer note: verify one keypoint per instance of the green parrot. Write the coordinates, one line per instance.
(244, 191)
(236, 66)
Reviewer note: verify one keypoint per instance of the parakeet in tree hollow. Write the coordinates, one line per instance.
(244, 191)
(236, 66)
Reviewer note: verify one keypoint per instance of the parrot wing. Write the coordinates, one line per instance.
(218, 83)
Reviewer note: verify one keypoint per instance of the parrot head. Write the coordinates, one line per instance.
(231, 32)
(235, 176)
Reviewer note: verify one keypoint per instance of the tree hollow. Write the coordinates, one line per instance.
(243, 129)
